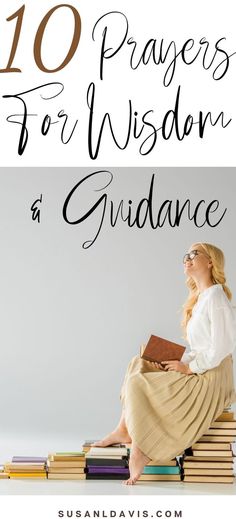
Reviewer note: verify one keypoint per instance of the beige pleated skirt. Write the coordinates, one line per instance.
(168, 411)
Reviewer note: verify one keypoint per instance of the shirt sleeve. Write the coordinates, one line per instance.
(222, 338)
(188, 356)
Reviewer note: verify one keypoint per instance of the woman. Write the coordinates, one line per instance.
(166, 410)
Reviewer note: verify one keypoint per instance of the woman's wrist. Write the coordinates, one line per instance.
(188, 370)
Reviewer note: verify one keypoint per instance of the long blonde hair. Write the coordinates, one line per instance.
(217, 274)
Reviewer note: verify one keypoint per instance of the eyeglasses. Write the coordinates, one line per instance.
(192, 254)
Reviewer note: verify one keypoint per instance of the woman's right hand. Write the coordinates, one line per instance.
(157, 365)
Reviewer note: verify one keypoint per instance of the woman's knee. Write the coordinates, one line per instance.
(132, 382)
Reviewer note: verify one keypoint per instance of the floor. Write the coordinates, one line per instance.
(10, 446)
(46, 487)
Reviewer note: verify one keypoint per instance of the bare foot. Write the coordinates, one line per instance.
(136, 463)
(117, 436)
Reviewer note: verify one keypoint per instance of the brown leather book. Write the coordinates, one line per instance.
(159, 349)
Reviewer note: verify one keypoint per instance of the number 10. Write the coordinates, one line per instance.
(39, 38)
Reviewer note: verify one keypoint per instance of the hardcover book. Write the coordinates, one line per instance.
(108, 470)
(159, 349)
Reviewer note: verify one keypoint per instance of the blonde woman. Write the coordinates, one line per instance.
(166, 410)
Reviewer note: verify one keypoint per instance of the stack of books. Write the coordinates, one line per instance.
(3, 473)
(107, 463)
(211, 458)
(26, 467)
(66, 465)
(165, 471)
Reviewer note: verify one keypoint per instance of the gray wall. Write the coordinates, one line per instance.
(71, 318)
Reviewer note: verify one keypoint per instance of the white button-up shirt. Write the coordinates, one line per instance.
(211, 331)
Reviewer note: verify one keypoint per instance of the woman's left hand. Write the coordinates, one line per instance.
(176, 365)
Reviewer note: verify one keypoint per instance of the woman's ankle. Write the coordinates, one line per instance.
(122, 429)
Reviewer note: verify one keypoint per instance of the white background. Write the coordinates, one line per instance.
(169, 20)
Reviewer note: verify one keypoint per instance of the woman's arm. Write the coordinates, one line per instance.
(188, 356)
(223, 336)
(189, 372)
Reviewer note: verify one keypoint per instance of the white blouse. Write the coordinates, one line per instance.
(211, 331)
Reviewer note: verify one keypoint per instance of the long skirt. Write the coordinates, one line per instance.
(168, 411)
